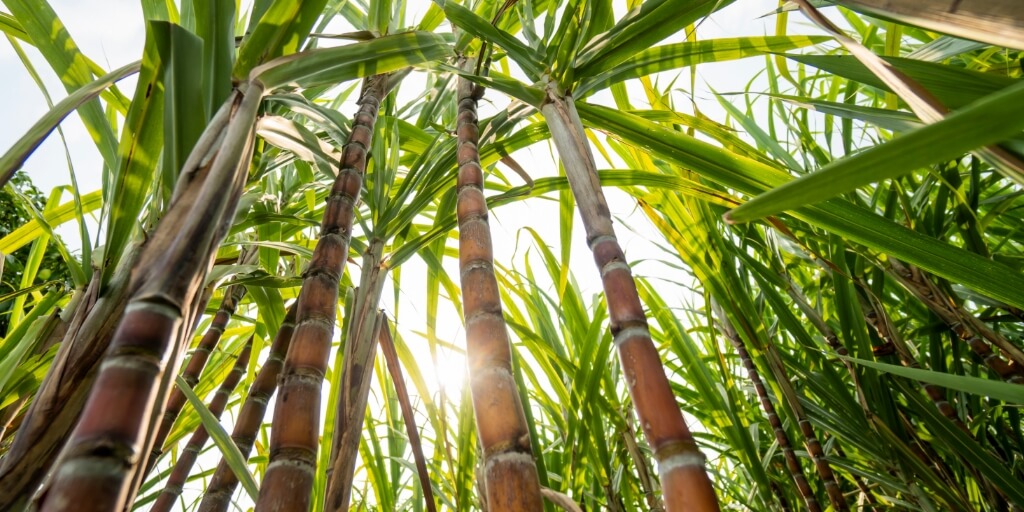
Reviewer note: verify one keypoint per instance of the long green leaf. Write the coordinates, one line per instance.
(985, 122)
(857, 224)
(343, 63)
(15, 157)
(999, 390)
(222, 439)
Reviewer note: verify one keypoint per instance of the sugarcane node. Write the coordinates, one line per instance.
(606, 249)
(348, 184)
(466, 117)
(624, 306)
(480, 291)
(471, 175)
(468, 132)
(467, 153)
(471, 203)
(475, 246)
(361, 134)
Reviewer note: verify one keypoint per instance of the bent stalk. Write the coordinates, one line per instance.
(684, 481)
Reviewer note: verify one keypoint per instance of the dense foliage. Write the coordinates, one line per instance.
(831, 261)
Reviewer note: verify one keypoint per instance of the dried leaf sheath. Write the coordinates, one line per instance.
(105, 449)
(167, 499)
(294, 441)
(510, 474)
(223, 483)
(685, 484)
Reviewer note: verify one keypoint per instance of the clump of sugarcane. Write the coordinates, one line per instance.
(107, 446)
(222, 484)
(294, 440)
(194, 367)
(176, 482)
(968, 328)
(510, 474)
(792, 462)
(685, 483)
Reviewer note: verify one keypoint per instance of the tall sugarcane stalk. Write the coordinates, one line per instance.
(685, 483)
(195, 366)
(510, 474)
(106, 447)
(179, 475)
(222, 484)
(792, 462)
(288, 482)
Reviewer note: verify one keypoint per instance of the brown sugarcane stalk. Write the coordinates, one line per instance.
(510, 474)
(195, 366)
(222, 485)
(176, 482)
(792, 462)
(106, 447)
(387, 347)
(685, 483)
(294, 440)
(977, 336)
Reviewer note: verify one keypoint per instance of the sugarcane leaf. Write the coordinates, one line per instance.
(215, 26)
(984, 122)
(184, 116)
(954, 87)
(139, 151)
(49, 35)
(526, 57)
(33, 229)
(15, 157)
(678, 55)
(857, 224)
(1004, 391)
(639, 30)
(282, 27)
(234, 458)
(343, 63)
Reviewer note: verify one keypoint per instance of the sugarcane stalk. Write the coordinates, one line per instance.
(200, 356)
(796, 472)
(222, 484)
(685, 483)
(106, 447)
(357, 362)
(509, 472)
(179, 475)
(288, 482)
